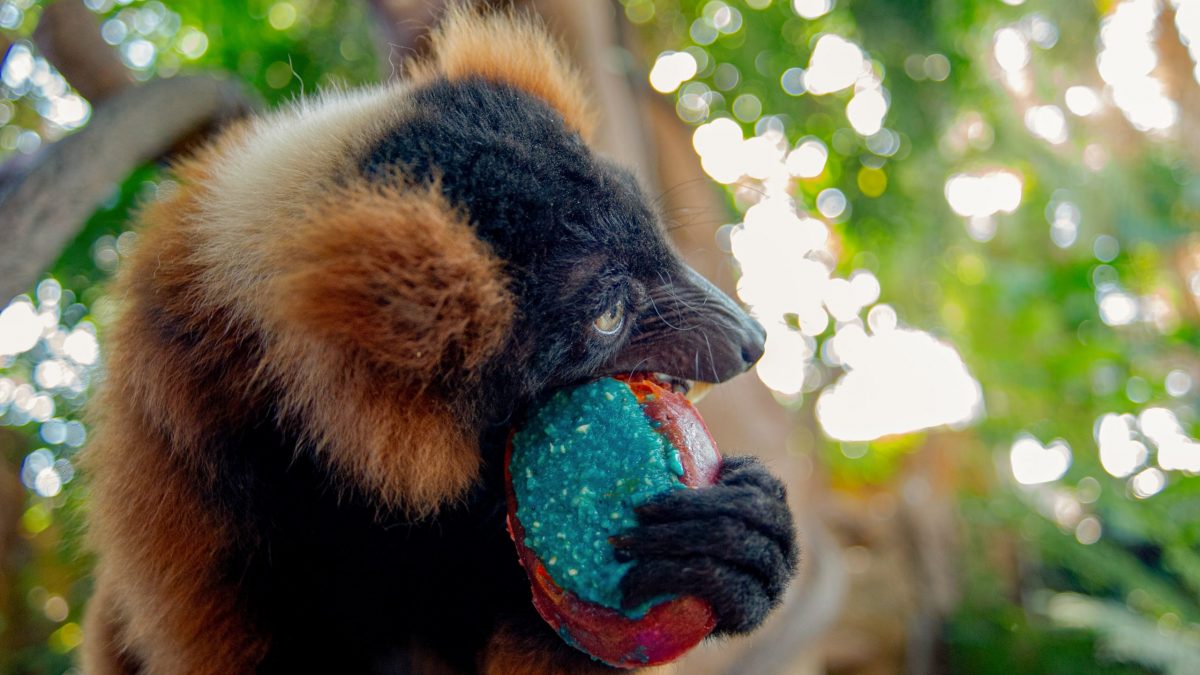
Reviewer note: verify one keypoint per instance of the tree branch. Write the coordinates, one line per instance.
(68, 36)
(46, 207)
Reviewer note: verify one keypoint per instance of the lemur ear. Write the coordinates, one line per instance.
(511, 49)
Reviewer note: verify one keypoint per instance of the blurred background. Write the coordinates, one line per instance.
(968, 226)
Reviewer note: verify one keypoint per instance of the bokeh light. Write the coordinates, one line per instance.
(897, 381)
(1033, 463)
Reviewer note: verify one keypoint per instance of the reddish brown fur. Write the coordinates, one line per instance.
(391, 295)
(371, 263)
(512, 50)
(368, 307)
(180, 368)
(156, 594)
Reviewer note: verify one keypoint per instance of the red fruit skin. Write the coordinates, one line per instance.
(668, 629)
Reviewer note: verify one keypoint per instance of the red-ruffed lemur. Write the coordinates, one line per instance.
(328, 329)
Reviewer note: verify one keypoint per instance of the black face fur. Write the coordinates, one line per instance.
(578, 237)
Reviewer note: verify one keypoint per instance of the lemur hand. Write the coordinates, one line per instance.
(732, 544)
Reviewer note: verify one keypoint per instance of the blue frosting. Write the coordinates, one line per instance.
(580, 466)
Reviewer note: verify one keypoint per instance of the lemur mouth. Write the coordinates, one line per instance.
(691, 389)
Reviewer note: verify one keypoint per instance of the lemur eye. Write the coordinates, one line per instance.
(610, 322)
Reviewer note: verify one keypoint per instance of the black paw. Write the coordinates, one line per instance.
(732, 544)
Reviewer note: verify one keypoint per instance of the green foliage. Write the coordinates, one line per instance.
(1000, 641)
(1021, 310)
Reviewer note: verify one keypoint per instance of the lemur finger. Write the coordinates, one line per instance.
(739, 601)
(747, 470)
(733, 463)
(747, 504)
(723, 538)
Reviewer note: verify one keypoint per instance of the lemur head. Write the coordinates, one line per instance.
(596, 287)
(389, 273)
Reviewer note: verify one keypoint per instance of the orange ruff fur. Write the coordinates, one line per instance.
(511, 50)
(180, 369)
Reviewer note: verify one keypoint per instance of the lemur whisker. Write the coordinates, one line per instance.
(636, 366)
(712, 363)
(662, 318)
(663, 194)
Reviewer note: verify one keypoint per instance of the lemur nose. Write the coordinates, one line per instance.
(753, 343)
